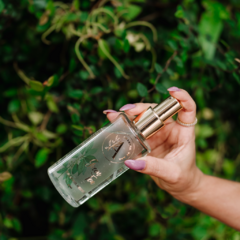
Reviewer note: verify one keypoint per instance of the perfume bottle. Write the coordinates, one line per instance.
(99, 160)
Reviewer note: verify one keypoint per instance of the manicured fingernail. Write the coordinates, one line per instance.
(127, 107)
(135, 164)
(174, 89)
(109, 111)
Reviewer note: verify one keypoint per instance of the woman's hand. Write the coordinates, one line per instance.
(171, 164)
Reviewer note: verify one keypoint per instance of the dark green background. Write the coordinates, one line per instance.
(50, 103)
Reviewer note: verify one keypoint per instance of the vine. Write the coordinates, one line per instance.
(94, 29)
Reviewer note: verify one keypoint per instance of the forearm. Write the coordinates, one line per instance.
(218, 198)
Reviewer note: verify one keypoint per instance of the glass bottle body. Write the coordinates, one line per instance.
(97, 161)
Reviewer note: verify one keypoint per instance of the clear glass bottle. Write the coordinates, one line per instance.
(99, 160)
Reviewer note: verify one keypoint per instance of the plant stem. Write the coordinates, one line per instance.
(143, 23)
(78, 53)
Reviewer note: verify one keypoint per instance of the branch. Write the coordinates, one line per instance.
(45, 120)
(160, 74)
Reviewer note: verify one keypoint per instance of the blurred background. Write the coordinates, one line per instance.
(63, 62)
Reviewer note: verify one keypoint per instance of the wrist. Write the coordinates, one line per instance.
(190, 194)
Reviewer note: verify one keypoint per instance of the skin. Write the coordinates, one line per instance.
(172, 166)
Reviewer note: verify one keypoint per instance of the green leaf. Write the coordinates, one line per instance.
(200, 98)
(75, 169)
(96, 90)
(83, 16)
(12, 92)
(152, 81)
(118, 45)
(142, 90)
(75, 118)
(117, 73)
(41, 157)
(26, 193)
(61, 128)
(49, 82)
(160, 88)
(132, 93)
(14, 106)
(126, 45)
(65, 164)
(120, 32)
(83, 75)
(81, 167)
(89, 147)
(62, 170)
(132, 12)
(101, 44)
(94, 204)
(68, 181)
(77, 94)
(204, 131)
(36, 85)
(114, 207)
(80, 128)
(72, 65)
(154, 230)
(89, 158)
(1, 6)
(76, 4)
(51, 104)
(170, 72)
(83, 150)
(92, 151)
(237, 77)
(104, 45)
(16, 225)
(172, 44)
(7, 223)
(35, 117)
(210, 28)
(180, 12)
(158, 68)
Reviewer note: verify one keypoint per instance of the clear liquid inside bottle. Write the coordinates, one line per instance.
(97, 161)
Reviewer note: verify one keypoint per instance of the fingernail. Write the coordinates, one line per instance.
(109, 111)
(135, 164)
(127, 107)
(174, 89)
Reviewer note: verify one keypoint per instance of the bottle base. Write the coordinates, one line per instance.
(78, 202)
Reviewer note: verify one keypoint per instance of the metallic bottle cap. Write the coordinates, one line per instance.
(152, 120)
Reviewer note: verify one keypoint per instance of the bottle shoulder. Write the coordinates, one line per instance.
(134, 130)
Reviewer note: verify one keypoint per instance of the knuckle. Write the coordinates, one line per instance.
(175, 176)
(152, 167)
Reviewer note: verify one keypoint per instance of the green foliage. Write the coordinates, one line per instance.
(41, 157)
(142, 90)
(63, 63)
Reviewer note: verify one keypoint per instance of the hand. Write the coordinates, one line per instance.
(171, 164)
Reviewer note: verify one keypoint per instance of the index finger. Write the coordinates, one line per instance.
(136, 110)
(188, 113)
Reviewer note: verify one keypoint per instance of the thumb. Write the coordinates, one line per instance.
(157, 167)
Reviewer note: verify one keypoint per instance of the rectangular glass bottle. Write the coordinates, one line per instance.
(98, 160)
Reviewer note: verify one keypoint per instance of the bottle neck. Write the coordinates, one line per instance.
(152, 120)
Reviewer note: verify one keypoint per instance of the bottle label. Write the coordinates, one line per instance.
(95, 173)
(117, 148)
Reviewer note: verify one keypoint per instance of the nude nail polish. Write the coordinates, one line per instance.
(174, 89)
(99, 160)
(109, 111)
(135, 164)
(127, 107)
